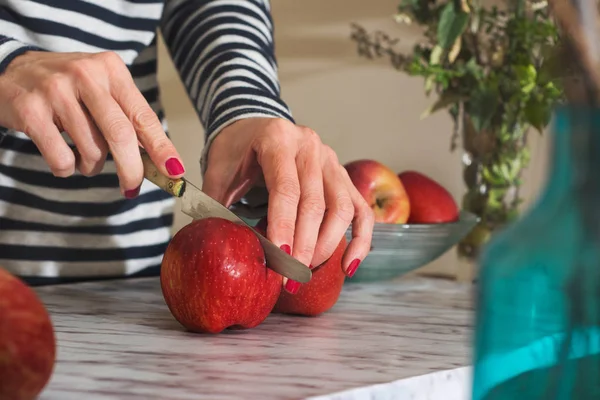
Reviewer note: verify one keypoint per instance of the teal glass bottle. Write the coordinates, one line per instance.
(537, 321)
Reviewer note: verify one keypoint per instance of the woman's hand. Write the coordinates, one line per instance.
(92, 97)
(312, 201)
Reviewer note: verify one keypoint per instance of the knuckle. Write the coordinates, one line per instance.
(109, 58)
(366, 213)
(119, 131)
(112, 62)
(288, 189)
(344, 208)
(311, 135)
(144, 118)
(93, 154)
(273, 143)
(283, 224)
(29, 108)
(55, 85)
(160, 145)
(325, 248)
(90, 170)
(63, 166)
(311, 142)
(313, 204)
(275, 125)
(305, 252)
(79, 68)
(87, 170)
(331, 155)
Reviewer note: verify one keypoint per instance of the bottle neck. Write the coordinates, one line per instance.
(560, 172)
(575, 144)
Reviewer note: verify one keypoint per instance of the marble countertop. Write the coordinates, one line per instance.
(117, 340)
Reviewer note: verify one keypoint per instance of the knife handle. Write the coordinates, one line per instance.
(175, 187)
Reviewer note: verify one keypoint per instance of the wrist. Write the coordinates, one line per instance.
(12, 51)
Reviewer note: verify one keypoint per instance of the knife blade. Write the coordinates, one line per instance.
(198, 205)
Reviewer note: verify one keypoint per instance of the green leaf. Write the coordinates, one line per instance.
(537, 114)
(551, 90)
(482, 107)
(453, 22)
(429, 83)
(455, 50)
(436, 55)
(527, 75)
(444, 101)
(495, 197)
(491, 176)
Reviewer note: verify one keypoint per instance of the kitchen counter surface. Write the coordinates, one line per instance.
(117, 340)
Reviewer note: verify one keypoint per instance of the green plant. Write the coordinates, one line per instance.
(496, 71)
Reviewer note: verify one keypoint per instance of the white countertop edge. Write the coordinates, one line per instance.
(454, 384)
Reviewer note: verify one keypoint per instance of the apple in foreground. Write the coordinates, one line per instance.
(319, 294)
(214, 277)
(382, 189)
(27, 341)
(430, 202)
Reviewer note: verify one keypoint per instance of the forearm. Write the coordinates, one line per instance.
(224, 52)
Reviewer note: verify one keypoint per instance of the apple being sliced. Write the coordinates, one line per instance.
(321, 293)
(382, 189)
(214, 277)
(430, 202)
(27, 341)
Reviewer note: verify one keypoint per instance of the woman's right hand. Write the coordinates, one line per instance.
(93, 98)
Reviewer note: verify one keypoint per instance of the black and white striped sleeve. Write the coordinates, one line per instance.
(224, 52)
(11, 48)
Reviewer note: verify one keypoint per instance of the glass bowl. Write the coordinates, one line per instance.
(397, 249)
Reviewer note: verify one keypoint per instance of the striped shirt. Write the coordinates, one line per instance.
(57, 228)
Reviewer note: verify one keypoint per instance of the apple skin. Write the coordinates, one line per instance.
(430, 202)
(382, 189)
(214, 277)
(27, 341)
(319, 294)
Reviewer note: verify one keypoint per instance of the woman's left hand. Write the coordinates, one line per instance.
(312, 201)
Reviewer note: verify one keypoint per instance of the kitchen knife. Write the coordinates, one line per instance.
(198, 205)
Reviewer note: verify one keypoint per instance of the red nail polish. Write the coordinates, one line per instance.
(130, 194)
(286, 248)
(292, 286)
(352, 268)
(174, 166)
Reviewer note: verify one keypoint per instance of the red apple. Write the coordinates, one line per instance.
(382, 189)
(319, 294)
(214, 277)
(27, 341)
(430, 202)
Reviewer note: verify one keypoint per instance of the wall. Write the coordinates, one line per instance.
(362, 108)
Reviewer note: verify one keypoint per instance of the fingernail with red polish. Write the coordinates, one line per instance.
(130, 194)
(286, 248)
(292, 286)
(174, 166)
(352, 268)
